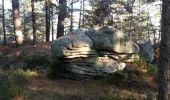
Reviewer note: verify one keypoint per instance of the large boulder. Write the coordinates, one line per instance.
(146, 50)
(93, 53)
(78, 31)
(113, 40)
(72, 45)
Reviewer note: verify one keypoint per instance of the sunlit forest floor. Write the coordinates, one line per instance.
(40, 87)
(62, 89)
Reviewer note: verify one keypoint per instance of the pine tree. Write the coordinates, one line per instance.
(17, 22)
(47, 11)
(71, 20)
(52, 23)
(61, 18)
(3, 20)
(80, 14)
(164, 66)
(33, 23)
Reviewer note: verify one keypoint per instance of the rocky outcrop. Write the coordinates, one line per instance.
(146, 51)
(113, 40)
(93, 53)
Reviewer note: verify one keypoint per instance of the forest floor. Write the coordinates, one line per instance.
(63, 89)
(42, 88)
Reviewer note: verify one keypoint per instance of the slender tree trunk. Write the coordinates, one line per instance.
(24, 21)
(33, 23)
(148, 34)
(80, 16)
(71, 25)
(159, 38)
(148, 28)
(52, 22)
(17, 22)
(83, 13)
(47, 11)
(131, 22)
(100, 14)
(61, 18)
(3, 15)
(164, 66)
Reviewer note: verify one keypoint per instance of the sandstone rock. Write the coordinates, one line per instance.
(78, 31)
(72, 45)
(113, 40)
(146, 50)
(93, 53)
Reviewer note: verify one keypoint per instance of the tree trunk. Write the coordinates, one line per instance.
(47, 13)
(164, 66)
(71, 25)
(61, 18)
(3, 15)
(80, 16)
(24, 30)
(52, 23)
(17, 22)
(83, 13)
(33, 23)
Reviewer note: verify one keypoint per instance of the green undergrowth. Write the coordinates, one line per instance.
(36, 60)
(135, 76)
(13, 82)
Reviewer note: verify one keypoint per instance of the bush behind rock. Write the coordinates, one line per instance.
(36, 60)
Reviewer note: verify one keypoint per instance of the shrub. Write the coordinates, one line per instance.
(112, 97)
(116, 78)
(152, 69)
(123, 78)
(134, 73)
(21, 72)
(4, 87)
(36, 60)
(56, 69)
(1, 71)
(146, 67)
(12, 84)
(18, 85)
(141, 63)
